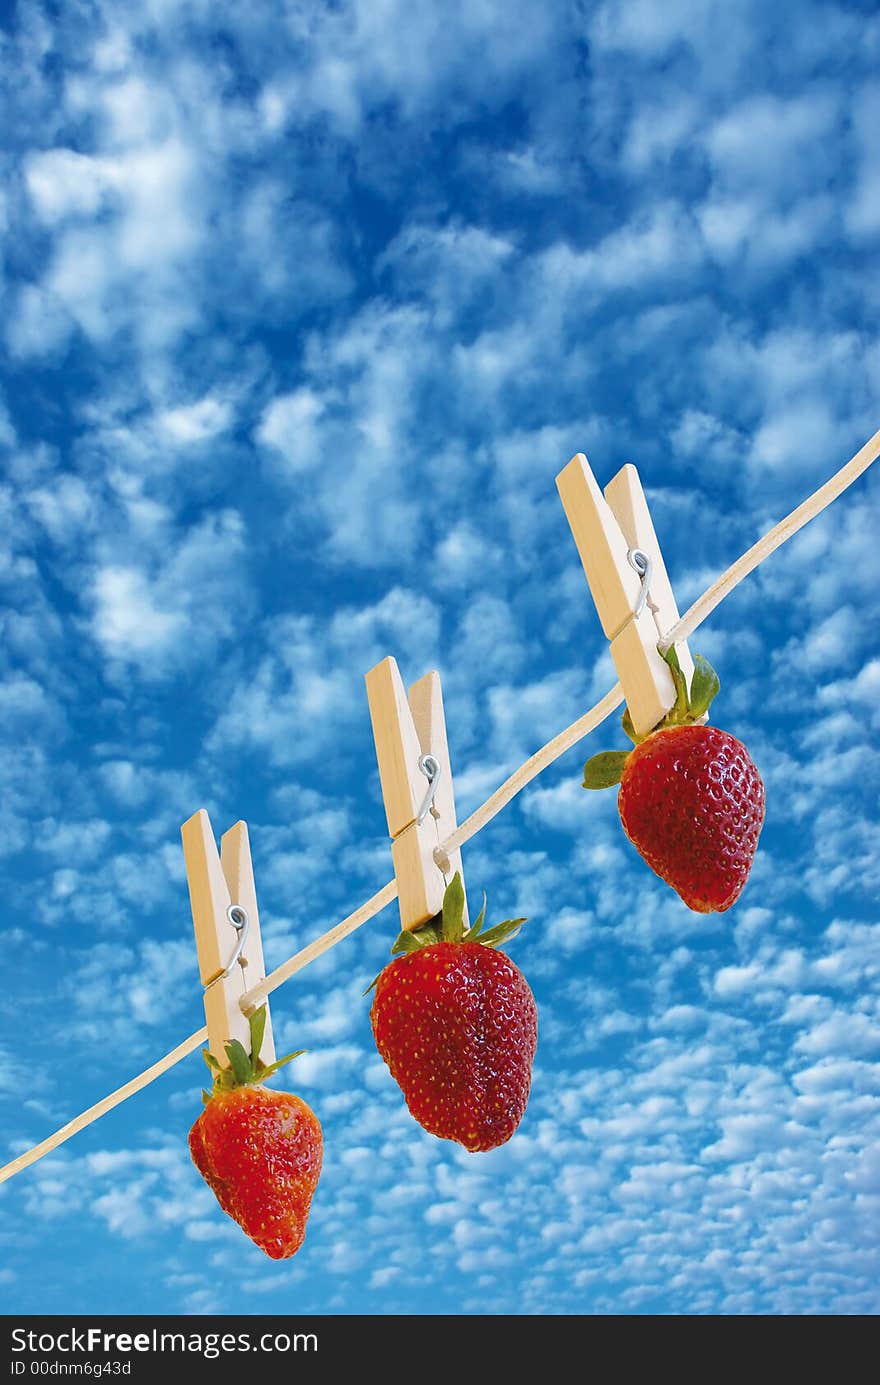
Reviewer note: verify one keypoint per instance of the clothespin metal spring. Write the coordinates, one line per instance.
(641, 563)
(431, 769)
(240, 920)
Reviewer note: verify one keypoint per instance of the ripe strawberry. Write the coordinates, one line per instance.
(456, 1023)
(259, 1151)
(691, 800)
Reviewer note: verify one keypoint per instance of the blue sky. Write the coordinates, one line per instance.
(304, 308)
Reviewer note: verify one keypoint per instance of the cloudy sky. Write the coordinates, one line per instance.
(304, 307)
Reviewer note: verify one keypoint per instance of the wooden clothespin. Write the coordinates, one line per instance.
(416, 778)
(227, 927)
(636, 607)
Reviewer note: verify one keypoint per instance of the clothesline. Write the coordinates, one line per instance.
(689, 622)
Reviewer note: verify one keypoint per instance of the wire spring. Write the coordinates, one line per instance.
(240, 920)
(641, 563)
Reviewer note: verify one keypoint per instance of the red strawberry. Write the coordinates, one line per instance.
(259, 1151)
(456, 1023)
(692, 803)
(691, 799)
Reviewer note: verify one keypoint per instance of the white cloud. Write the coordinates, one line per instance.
(38, 324)
(566, 806)
(27, 708)
(128, 621)
(288, 251)
(451, 264)
(771, 143)
(830, 645)
(807, 392)
(806, 427)
(182, 609)
(124, 221)
(301, 696)
(834, 1075)
(65, 508)
(863, 211)
(846, 1034)
(86, 839)
(522, 717)
(701, 435)
(659, 243)
(464, 559)
(528, 170)
(741, 231)
(657, 132)
(123, 1209)
(350, 424)
(188, 423)
(861, 692)
(644, 28)
(289, 427)
(63, 183)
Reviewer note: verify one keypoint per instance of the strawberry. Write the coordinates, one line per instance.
(456, 1023)
(691, 799)
(259, 1151)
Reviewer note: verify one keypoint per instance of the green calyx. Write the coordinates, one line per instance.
(245, 1069)
(448, 927)
(606, 768)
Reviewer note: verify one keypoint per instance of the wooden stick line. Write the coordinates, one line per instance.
(777, 536)
(533, 766)
(690, 621)
(106, 1104)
